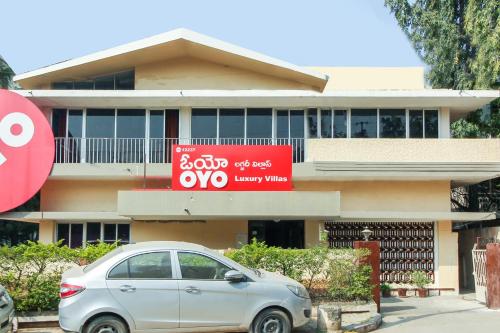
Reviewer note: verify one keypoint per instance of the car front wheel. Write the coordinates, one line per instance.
(106, 324)
(271, 321)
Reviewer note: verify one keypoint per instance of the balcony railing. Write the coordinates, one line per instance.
(140, 150)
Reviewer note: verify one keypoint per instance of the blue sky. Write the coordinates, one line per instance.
(310, 32)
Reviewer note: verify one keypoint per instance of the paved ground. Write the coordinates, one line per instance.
(451, 314)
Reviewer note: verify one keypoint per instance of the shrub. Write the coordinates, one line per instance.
(31, 272)
(339, 272)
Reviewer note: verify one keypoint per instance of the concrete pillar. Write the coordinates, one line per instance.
(374, 261)
(444, 123)
(46, 230)
(492, 275)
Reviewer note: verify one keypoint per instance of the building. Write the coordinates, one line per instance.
(371, 147)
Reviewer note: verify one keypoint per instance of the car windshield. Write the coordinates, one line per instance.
(99, 261)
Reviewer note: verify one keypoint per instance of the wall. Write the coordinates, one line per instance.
(373, 78)
(190, 73)
(447, 256)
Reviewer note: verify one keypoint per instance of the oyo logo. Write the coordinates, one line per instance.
(206, 170)
(26, 150)
(16, 130)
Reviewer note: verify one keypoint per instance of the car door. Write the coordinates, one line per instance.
(144, 286)
(206, 299)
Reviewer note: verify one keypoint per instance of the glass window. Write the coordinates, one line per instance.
(156, 123)
(76, 232)
(259, 123)
(105, 83)
(67, 85)
(110, 233)
(296, 123)
(231, 126)
(312, 123)
(93, 232)
(204, 123)
(131, 123)
(431, 124)
(199, 267)
(100, 123)
(123, 235)
(340, 124)
(84, 85)
(282, 124)
(156, 265)
(392, 123)
(125, 81)
(63, 233)
(326, 123)
(75, 120)
(416, 123)
(363, 123)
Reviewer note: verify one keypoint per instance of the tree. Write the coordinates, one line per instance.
(460, 41)
(6, 74)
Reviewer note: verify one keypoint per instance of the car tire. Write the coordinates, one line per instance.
(106, 324)
(271, 321)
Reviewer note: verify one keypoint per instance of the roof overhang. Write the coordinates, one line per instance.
(170, 45)
(403, 216)
(459, 101)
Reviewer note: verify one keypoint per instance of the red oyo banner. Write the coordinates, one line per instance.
(26, 150)
(231, 168)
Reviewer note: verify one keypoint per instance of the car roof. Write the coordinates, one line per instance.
(170, 245)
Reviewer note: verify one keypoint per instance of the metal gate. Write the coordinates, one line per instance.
(479, 266)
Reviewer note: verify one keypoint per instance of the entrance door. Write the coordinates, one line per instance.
(284, 233)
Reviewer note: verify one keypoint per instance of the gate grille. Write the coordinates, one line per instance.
(404, 246)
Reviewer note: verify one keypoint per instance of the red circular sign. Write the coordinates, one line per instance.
(26, 150)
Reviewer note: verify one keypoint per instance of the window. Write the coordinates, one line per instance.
(392, 123)
(117, 81)
(296, 123)
(199, 267)
(59, 122)
(326, 123)
(231, 126)
(130, 124)
(424, 123)
(431, 123)
(340, 124)
(312, 123)
(203, 124)
(77, 234)
(282, 124)
(150, 266)
(363, 123)
(259, 124)
(75, 123)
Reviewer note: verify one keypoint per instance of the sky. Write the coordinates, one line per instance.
(38, 33)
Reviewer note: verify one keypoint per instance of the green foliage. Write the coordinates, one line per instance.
(420, 279)
(385, 287)
(31, 272)
(340, 271)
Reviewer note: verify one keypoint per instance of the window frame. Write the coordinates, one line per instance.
(178, 263)
(172, 265)
(84, 233)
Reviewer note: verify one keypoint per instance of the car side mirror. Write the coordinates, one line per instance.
(234, 276)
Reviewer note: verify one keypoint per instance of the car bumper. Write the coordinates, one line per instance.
(301, 312)
(6, 324)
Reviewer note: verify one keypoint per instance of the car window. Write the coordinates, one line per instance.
(200, 267)
(156, 265)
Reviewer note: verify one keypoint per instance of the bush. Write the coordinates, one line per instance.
(420, 279)
(31, 272)
(338, 272)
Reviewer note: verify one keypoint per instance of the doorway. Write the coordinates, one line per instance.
(287, 234)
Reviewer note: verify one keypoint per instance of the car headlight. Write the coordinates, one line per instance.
(299, 291)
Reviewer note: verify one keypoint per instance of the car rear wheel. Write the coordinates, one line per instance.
(271, 321)
(106, 324)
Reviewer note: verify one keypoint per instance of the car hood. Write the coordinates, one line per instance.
(277, 278)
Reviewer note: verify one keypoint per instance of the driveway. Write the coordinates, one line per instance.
(452, 314)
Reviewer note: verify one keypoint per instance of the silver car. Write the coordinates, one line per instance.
(178, 287)
(6, 311)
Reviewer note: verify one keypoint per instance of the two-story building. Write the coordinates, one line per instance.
(371, 147)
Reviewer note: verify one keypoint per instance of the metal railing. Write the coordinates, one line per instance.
(154, 150)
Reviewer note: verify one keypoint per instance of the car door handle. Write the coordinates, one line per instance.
(192, 290)
(127, 288)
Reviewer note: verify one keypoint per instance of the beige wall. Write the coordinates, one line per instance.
(371, 78)
(391, 196)
(447, 256)
(404, 150)
(191, 73)
(46, 231)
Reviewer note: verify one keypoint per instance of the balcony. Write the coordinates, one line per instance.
(140, 150)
